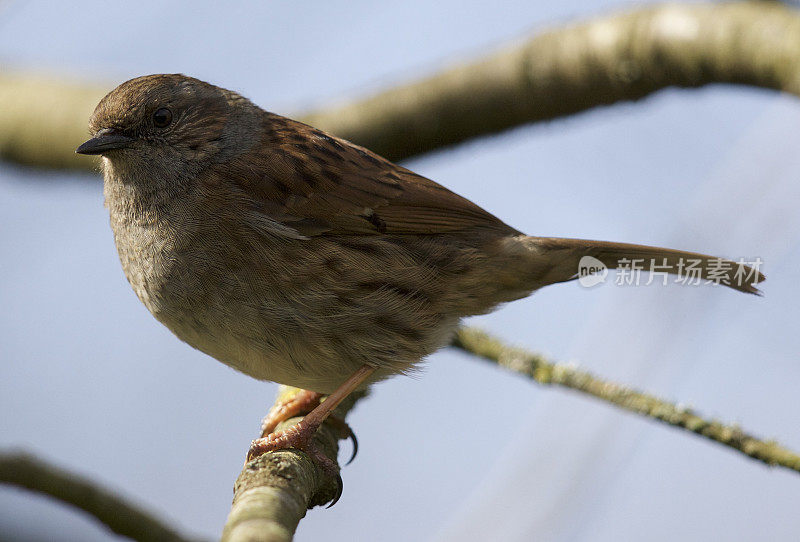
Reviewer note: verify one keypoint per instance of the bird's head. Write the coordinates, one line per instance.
(157, 124)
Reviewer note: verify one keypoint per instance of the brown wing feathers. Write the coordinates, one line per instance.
(322, 185)
(336, 187)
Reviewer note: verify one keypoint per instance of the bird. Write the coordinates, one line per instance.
(295, 256)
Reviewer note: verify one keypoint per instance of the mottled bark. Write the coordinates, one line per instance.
(273, 491)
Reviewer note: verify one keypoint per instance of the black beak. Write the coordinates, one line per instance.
(105, 140)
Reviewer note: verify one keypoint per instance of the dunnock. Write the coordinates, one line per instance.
(298, 257)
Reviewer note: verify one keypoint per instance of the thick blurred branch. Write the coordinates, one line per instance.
(545, 372)
(124, 518)
(43, 120)
(273, 491)
(555, 73)
(566, 70)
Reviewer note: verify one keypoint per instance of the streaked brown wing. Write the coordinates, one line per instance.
(319, 184)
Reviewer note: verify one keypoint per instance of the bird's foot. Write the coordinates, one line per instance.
(290, 403)
(299, 437)
(298, 402)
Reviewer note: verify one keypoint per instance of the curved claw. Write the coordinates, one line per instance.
(339, 489)
(345, 431)
(354, 440)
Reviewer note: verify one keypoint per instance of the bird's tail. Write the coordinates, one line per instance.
(560, 260)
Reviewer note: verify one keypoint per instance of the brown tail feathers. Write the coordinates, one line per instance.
(564, 258)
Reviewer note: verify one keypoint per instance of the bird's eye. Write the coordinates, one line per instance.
(162, 117)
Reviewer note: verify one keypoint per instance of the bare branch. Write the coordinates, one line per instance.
(545, 372)
(123, 517)
(567, 70)
(43, 120)
(555, 73)
(273, 491)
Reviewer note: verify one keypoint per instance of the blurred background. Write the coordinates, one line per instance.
(465, 451)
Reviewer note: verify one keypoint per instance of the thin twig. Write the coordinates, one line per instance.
(121, 516)
(545, 372)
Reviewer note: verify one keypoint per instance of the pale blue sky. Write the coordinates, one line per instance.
(90, 380)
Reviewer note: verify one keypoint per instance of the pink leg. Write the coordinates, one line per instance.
(299, 402)
(300, 436)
